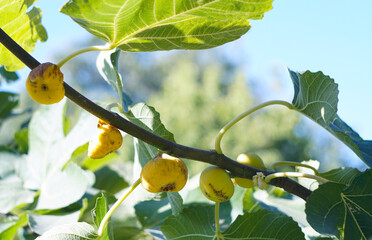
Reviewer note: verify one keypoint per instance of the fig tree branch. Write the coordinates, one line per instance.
(178, 150)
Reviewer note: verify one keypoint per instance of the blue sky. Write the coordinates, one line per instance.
(331, 36)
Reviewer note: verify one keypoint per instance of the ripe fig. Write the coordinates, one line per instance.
(164, 173)
(44, 84)
(215, 184)
(108, 139)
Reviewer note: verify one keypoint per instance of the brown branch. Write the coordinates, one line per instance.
(237, 169)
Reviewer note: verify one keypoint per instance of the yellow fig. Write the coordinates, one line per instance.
(164, 173)
(215, 184)
(250, 159)
(44, 84)
(108, 139)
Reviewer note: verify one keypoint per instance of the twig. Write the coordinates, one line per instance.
(212, 157)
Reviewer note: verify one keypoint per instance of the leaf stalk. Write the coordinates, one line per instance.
(268, 178)
(84, 50)
(281, 163)
(107, 216)
(243, 115)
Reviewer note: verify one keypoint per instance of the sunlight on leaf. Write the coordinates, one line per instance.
(75, 231)
(42, 223)
(23, 27)
(143, 25)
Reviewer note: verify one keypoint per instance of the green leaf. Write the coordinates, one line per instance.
(325, 238)
(42, 223)
(152, 213)
(315, 95)
(8, 102)
(23, 27)
(131, 233)
(73, 231)
(86, 209)
(98, 213)
(335, 206)
(109, 180)
(9, 227)
(107, 65)
(264, 224)
(194, 223)
(344, 175)
(7, 76)
(148, 118)
(249, 203)
(21, 138)
(142, 25)
(176, 202)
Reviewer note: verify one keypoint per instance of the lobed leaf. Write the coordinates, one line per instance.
(264, 224)
(41, 223)
(194, 223)
(315, 95)
(61, 188)
(13, 193)
(49, 152)
(143, 25)
(23, 27)
(72, 231)
(336, 206)
(152, 213)
(344, 175)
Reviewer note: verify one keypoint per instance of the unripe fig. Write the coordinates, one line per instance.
(45, 84)
(108, 139)
(164, 173)
(215, 184)
(250, 159)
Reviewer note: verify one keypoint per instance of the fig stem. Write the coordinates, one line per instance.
(115, 206)
(268, 178)
(281, 163)
(84, 50)
(219, 235)
(243, 115)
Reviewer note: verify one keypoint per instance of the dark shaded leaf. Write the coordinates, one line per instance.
(8, 102)
(336, 206)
